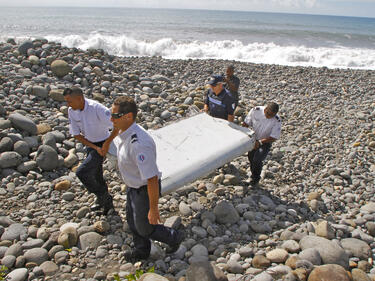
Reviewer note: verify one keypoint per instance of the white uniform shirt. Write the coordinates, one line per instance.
(262, 126)
(93, 122)
(136, 156)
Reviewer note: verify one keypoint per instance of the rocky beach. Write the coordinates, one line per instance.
(311, 219)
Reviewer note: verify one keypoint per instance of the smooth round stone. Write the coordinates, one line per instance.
(199, 231)
(14, 250)
(330, 252)
(3, 250)
(357, 247)
(277, 255)
(184, 209)
(291, 246)
(33, 243)
(331, 272)
(19, 274)
(260, 261)
(61, 257)
(199, 250)
(14, 232)
(312, 255)
(8, 261)
(234, 267)
(82, 212)
(36, 255)
(246, 252)
(49, 268)
(226, 213)
(68, 196)
(90, 240)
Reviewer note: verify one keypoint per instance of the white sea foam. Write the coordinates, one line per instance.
(268, 53)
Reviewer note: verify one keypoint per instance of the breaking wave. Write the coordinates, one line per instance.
(267, 53)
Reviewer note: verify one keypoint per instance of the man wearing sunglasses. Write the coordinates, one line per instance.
(90, 124)
(136, 156)
(219, 103)
(267, 127)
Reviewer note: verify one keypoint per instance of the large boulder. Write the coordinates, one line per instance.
(152, 277)
(39, 91)
(57, 95)
(330, 251)
(23, 47)
(10, 159)
(19, 274)
(36, 255)
(204, 271)
(14, 232)
(90, 240)
(23, 123)
(358, 248)
(331, 272)
(6, 144)
(60, 68)
(47, 158)
(226, 213)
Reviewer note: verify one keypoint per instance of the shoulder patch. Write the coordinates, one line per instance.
(108, 113)
(141, 158)
(133, 138)
(277, 118)
(257, 108)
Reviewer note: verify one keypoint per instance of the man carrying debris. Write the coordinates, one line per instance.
(136, 156)
(267, 127)
(90, 124)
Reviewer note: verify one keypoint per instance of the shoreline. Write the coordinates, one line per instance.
(317, 183)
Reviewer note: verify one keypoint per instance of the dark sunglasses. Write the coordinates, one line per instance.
(118, 115)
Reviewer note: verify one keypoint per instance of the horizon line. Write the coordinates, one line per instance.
(193, 9)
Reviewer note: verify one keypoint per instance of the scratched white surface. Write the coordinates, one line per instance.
(194, 147)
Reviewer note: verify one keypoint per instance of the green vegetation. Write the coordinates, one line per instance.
(134, 277)
(3, 272)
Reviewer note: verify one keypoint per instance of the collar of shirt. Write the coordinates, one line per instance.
(129, 131)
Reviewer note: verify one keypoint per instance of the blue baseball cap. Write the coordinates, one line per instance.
(216, 79)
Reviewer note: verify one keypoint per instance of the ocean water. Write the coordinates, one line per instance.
(271, 38)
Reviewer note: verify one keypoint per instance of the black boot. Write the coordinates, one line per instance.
(97, 205)
(103, 201)
(107, 203)
(133, 256)
(169, 236)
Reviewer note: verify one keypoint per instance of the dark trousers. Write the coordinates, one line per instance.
(256, 158)
(90, 172)
(137, 207)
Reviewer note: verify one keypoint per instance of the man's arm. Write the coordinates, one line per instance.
(86, 142)
(153, 197)
(260, 142)
(108, 141)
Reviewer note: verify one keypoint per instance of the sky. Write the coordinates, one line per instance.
(360, 8)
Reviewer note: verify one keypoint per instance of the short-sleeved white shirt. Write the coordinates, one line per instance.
(93, 122)
(262, 126)
(136, 156)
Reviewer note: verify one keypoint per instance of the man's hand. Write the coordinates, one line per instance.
(154, 216)
(256, 145)
(105, 148)
(153, 197)
(99, 150)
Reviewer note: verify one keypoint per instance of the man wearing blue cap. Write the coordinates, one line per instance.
(219, 103)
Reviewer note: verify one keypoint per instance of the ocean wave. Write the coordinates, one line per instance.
(267, 53)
